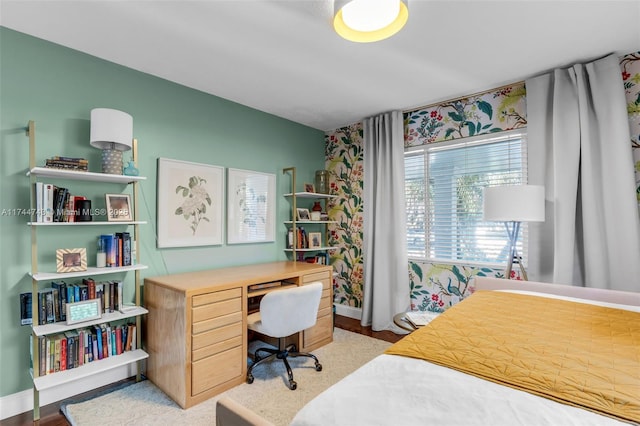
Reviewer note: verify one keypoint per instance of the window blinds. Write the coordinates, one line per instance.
(443, 188)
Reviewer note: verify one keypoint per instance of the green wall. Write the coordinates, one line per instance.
(57, 88)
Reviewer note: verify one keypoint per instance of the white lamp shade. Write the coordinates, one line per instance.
(519, 203)
(111, 129)
(369, 20)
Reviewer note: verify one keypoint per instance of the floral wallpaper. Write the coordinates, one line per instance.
(434, 286)
(494, 111)
(630, 65)
(343, 153)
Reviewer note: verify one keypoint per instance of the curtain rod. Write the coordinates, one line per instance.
(461, 97)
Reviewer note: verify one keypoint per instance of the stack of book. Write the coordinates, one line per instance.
(70, 163)
(52, 301)
(74, 348)
(55, 204)
(118, 249)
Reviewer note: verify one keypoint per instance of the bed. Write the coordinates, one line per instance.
(513, 353)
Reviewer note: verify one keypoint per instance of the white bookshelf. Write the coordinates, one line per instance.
(89, 369)
(90, 271)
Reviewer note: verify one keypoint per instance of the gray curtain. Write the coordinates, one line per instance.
(579, 149)
(386, 275)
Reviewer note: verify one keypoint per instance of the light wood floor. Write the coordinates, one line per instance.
(50, 415)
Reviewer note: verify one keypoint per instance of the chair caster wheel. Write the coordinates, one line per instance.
(318, 366)
(250, 379)
(293, 385)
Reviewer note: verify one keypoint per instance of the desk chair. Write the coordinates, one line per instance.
(283, 313)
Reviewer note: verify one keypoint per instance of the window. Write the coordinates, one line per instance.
(443, 187)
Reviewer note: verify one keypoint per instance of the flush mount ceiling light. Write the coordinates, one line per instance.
(365, 21)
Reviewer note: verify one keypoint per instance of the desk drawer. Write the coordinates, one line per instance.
(216, 335)
(325, 302)
(216, 309)
(224, 345)
(323, 312)
(221, 321)
(216, 296)
(317, 276)
(216, 370)
(322, 330)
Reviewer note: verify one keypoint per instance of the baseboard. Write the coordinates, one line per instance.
(349, 311)
(21, 402)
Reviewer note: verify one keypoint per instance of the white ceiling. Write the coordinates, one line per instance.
(282, 56)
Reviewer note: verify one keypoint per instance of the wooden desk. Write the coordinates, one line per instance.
(196, 328)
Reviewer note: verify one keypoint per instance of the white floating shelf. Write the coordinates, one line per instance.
(311, 195)
(60, 327)
(94, 223)
(43, 276)
(89, 369)
(51, 172)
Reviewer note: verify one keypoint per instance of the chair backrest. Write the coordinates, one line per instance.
(284, 312)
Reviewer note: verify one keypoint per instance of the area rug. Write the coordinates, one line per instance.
(143, 403)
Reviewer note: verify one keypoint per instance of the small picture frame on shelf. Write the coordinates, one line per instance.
(303, 214)
(71, 260)
(85, 310)
(118, 207)
(315, 239)
(309, 187)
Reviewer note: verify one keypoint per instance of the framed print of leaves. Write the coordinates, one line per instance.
(190, 204)
(250, 206)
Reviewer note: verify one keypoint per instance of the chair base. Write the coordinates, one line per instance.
(282, 353)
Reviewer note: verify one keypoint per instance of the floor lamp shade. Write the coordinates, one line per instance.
(514, 203)
(112, 132)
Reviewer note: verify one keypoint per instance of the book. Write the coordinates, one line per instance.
(47, 202)
(420, 318)
(56, 304)
(45, 308)
(95, 352)
(39, 188)
(61, 196)
(109, 244)
(127, 346)
(42, 360)
(118, 340)
(126, 249)
(61, 286)
(134, 342)
(56, 352)
(63, 352)
(109, 339)
(91, 287)
(98, 337)
(72, 348)
(26, 313)
(105, 351)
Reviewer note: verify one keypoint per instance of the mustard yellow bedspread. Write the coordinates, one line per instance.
(575, 353)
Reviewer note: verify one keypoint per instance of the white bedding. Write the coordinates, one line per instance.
(400, 391)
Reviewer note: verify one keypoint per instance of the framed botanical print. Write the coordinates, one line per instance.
(250, 206)
(190, 204)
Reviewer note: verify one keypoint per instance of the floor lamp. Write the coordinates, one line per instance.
(513, 205)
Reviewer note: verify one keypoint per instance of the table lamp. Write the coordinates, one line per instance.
(112, 132)
(514, 204)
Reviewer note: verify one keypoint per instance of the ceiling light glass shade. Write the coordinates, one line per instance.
(514, 203)
(111, 129)
(366, 21)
